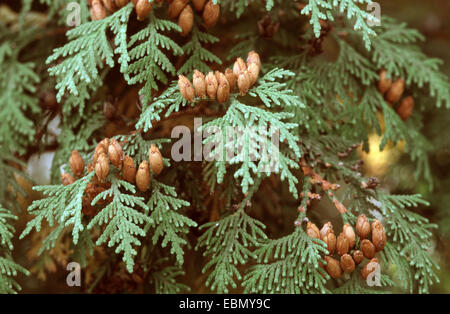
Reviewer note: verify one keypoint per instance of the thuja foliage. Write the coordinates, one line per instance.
(243, 217)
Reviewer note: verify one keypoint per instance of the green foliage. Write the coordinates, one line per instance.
(122, 218)
(288, 265)
(228, 243)
(198, 55)
(88, 50)
(17, 82)
(150, 62)
(164, 280)
(61, 208)
(410, 234)
(167, 223)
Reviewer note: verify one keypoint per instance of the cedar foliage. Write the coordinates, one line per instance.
(321, 105)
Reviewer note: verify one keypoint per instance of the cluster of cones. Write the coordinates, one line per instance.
(183, 11)
(345, 246)
(393, 91)
(219, 85)
(178, 9)
(110, 151)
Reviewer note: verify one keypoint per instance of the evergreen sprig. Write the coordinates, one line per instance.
(122, 219)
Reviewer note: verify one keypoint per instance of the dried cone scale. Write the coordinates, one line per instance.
(199, 83)
(199, 4)
(176, 7)
(67, 178)
(333, 267)
(369, 268)
(405, 108)
(186, 88)
(223, 91)
(231, 78)
(98, 11)
(312, 230)
(129, 169)
(347, 263)
(76, 163)
(102, 167)
(239, 66)
(155, 159)
(121, 3)
(243, 82)
(211, 85)
(378, 235)
(115, 153)
(110, 5)
(384, 83)
(362, 226)
(211, 14)
(396, 91)
(143, 176)
(358, 256)
(186, 20)
(350, 235)
(143, 9)
(368, 248)
(342, 245)
(327, 236)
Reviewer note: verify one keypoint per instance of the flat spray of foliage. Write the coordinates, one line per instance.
(319, 107)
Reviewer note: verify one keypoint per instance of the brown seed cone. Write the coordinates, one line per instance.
(104, 143)
(243, 82)
(342, 245)
(211, 85)
(378, 235)
(134, 2)
(199, 4)
(223, 91)
(327, 236)
(350, 235)
(253, 57)
(102, 167)
(239, 66)
(362, 226)
(186, 20)
(312, 230)
(110, 5)
(347, 263)
(98, 11)
(199, 83)
(176, 7)
(396, 91)
(186, 88)
(115, 153)
(67, 178)
(253, 71)
(156, 160)
(384, 83)
(358, 256)
(369, 268)
(231, 78)
(405, 109)
(76, 163)
(333, 267)
(211, 14)
(143, 9)
(367, 248)
(129, 169)
(143, 176)
(121, 3)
